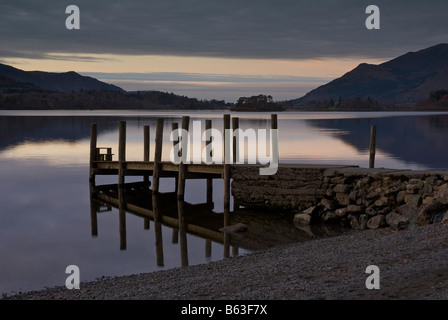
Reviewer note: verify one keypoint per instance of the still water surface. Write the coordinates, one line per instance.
(45, 220)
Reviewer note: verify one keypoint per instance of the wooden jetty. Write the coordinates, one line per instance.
(145, 200)
(102, 163)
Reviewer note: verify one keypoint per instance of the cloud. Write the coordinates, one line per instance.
(256, 29)
(203, 77)
(228, 87)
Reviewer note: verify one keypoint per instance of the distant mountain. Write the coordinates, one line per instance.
(38, 90)
(57, 82)
(9, 85)
(403, 80)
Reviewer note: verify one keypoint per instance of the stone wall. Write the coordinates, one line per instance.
(350, 196)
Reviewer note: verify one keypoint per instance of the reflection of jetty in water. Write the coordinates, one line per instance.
(247, 229)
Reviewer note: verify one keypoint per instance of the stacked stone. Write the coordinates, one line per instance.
(360, 198)
(379, 199)
(291, 188)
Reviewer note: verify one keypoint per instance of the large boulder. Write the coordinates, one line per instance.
(358, 222)
(428, 214)
(397, 221)
(378, 221)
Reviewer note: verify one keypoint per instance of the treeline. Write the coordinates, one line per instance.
(344, 104)
(437, 101)
(257, 103)
(22, 99)
(438, 94)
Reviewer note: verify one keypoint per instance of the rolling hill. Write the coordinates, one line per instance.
(406, 79)
(38, 90)
(57, 82)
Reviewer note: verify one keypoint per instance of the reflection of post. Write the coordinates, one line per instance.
(184, 155)
(235, 251)
(175, 236)
(146, 224)
(372, 146)
(146, 137)
(122, 217)
(226, 238)
(93, 213)
(158, 230)
(121, 152)
(208, 248)
(157, 156)
(182, 233)
(93, 142)
(209, 149)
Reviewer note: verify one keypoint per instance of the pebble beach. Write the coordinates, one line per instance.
(412, 264)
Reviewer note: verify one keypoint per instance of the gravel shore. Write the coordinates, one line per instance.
(412, 264)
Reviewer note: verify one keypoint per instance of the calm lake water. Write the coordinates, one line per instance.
(45, 222)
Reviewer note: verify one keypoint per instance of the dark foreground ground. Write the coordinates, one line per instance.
(413, 264)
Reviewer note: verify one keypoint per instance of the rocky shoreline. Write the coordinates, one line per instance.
(411, 265)
(359, 198)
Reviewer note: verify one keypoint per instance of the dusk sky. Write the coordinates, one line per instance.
(215, 48)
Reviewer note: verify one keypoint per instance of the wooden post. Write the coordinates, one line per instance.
(93, 142)
(274, 122)
(174, 127)
(146, 144)
(226, 172)
(235, 126)
(209, 150)
(181, 193)
(226, 175)
(157, 156)
(274, 139)
(175, 232)
(372, 146)
(121, 153)
(226, 149)
(182, 165)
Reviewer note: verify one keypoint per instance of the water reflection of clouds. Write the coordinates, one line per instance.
(57, 153)
(321, 140)
(45, 227)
